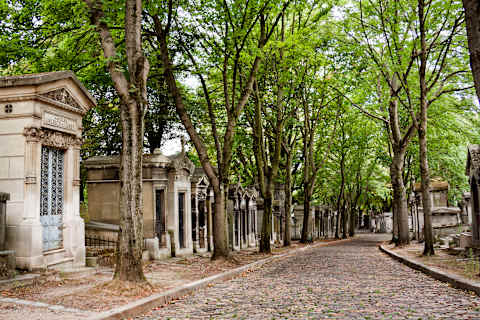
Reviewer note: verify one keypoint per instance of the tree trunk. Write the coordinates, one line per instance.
(352, 223)
(344, 221)
(337, 223)
(220, 231)
(472, 22)
(266, 225)
(422, 137)
(209, 221)
(288, 199)
(132, 91)
(129, 265)
(399, 201)
(306, 214)
(426, 199)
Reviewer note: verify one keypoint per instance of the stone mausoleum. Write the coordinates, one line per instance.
(40, 139)
(167, 201)
(473, 173)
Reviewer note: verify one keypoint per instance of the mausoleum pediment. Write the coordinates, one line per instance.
(62, 98)
(59, 89)
(199, 178)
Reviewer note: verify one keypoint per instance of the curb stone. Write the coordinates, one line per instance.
(145, 304)
(455, 281)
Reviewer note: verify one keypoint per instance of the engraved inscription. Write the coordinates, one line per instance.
(54, 120)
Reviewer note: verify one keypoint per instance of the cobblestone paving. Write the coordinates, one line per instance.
(350, 280)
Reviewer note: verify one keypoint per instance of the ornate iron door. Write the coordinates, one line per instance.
(51, 197)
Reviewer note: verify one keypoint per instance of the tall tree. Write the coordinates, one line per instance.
(472, 23)
(235, 29)
(442, 79)
(132, 91)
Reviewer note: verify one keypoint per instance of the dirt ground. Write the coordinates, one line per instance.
(95, 293)
(465, 265)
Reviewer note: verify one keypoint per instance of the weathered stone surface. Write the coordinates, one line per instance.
(40, 136)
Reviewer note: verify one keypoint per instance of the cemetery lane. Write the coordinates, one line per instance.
(349, 280)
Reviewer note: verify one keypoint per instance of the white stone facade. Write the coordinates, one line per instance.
(38, 113)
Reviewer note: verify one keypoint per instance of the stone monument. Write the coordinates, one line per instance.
(40, 139)
(473, 173)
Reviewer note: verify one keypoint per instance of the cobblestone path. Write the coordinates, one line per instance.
(350, 280)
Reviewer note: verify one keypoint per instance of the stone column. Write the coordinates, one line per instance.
(28, 241)
(74, 226)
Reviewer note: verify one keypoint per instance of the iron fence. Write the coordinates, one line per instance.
(99, 242)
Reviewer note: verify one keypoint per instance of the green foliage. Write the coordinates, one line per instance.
(327, 60)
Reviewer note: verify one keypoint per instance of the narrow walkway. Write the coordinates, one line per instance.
(350, 280)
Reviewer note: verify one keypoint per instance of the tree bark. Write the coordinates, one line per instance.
(133, 105)
(352, 223)
(288, 199)
(399, 201)
(220, 229)
(129, 265)
(344, 220)
(209, 221)
(422, 137)
(220, 238)
(472, 23)
(266, 225)
(399, 147)
(306, 215)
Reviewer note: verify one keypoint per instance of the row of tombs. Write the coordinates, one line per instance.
(40, 222)
(178, 207)
(453, 226)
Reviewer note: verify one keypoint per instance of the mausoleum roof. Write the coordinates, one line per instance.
(36, 79)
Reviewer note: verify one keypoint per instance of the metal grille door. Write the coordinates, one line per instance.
(181, 212)
(160, 214)
(51, 197)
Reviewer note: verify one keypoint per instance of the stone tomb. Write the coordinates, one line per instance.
(296, 228)
(166, 199)
(473, 173)
(242, 216)
(445, 219)
(200, 210)
(40, 139)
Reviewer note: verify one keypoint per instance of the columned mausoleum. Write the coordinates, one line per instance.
(40, 139)
(167, 200)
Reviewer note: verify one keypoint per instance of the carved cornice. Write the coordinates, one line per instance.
(51, 138)
(63, 96)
